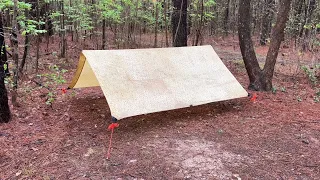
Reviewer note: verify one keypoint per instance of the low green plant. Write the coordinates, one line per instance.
(318, 92)
(9, 81)
(299, 99)
(52, 80)
(316, 98)
(220, 131)
(274, 90)
(311, 73)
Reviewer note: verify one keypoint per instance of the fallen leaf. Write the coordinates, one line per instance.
(34, 149)
(19, 173)
(89, 152)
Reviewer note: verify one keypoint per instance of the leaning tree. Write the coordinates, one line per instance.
(4, 107)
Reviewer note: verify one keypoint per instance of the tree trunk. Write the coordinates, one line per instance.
(103, 34)
(200, 24)
(179, 23)
(303, 19)
(15, 55)
(38, 38)
(26, 47)
(48, 26)
(63, 33)
(297, 14)
(8, 18)
(246, 46)
(308, 19)
(260, 80)
(226, 19)
(165, 22)
(266, 22)
(5, 115)
(156, 25)
(25, 53)
(276, 38)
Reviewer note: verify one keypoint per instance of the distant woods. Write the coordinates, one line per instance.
(169, 20)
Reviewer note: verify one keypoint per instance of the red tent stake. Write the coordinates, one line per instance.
(111, 127)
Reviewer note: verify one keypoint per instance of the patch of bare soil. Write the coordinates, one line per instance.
(275, 137)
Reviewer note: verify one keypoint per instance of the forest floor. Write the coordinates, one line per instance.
(275, 137)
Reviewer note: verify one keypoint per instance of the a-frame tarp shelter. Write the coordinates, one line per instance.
(141, 81)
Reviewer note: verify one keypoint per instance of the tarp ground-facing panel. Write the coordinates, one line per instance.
(141, 81)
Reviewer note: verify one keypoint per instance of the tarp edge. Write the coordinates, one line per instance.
(80, 66)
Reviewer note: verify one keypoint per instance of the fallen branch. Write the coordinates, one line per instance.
(312, 166)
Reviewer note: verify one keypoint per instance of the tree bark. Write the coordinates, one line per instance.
(156, 25)
(26, 47)
(38, 38)
(297, 14)
(260, 80)
(200, 24)
(226, 19)
(179, 23)
(276, 38)
(165, 22)
(5, 115)
(63, 33)
(15, 53)
(246, 46)
(308, 19)
(25, 53)
(103, 34)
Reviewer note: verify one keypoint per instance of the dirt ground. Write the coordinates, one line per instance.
(275, 137)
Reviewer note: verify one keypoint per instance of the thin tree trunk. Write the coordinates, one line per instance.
(25, 53)
(37, 53)
(199, 28)
(103, 33)
(38, 37)
(47, 26)
(127, 25)
(165, 21)
(179, 23)
(235, 17)
(15, 55)
(303, 23)
(63, 33)
(266, 22)
(26, 47)
(135, 23)
(156, 25)
(307, 31)
(226, 19)
(5, 114)
(72, 34)
(8, 20)
(47, 37)
(297, 19)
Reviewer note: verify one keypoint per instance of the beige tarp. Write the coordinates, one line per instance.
(141, 81)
